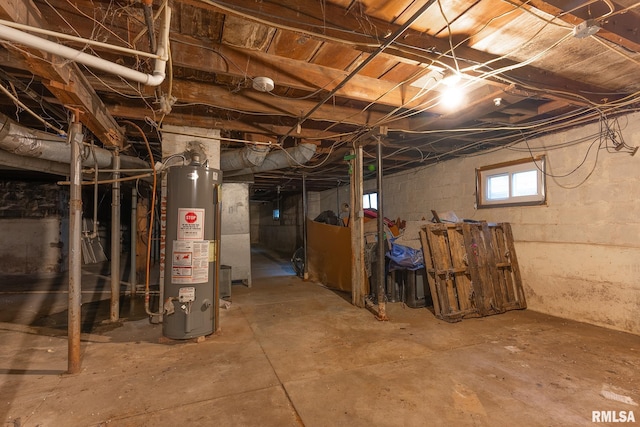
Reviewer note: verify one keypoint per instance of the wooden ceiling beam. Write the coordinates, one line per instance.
(63, 79)
(247, 63)
(346, 27)
(620, 28)
(209, 122)
(250, 101)
(187, 52)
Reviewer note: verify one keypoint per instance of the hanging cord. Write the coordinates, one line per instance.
(151, 219)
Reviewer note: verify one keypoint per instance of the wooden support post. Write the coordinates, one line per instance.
(356, 222)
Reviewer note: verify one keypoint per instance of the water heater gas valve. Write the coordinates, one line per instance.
(187, 294)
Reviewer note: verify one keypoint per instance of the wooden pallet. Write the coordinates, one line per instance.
(472, 269)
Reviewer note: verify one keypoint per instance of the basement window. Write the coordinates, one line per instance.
(517, 183)
(370, 201)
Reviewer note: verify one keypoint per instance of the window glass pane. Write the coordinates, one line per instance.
(498, 187)
(374, 200)
(365, 202)
(517, 182)
(525, 183)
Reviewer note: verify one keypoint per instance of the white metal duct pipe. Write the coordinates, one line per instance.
(280, 159)
(155, 79)
(23, 141)
(246, 157)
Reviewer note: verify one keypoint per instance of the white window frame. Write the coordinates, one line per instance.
(484, 173)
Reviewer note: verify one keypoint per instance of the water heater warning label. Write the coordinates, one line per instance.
(190, 262)
(190, 224)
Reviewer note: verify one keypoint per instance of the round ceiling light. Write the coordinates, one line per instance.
(263, 84)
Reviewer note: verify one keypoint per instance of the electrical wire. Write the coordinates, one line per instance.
(617, 51)
(494, 72)
(31, 112)
(449, 36)
(625, 10)
(488, 74)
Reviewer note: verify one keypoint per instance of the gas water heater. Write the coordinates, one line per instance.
(191, 259)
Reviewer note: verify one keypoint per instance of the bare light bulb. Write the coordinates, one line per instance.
(452, 97)
(451, 78)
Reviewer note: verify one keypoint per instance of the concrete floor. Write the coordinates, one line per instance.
(294, 353)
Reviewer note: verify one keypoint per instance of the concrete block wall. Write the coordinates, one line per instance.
(33, 218)
(31, 246)
(284, 235)
(177, 139)
(578, 254)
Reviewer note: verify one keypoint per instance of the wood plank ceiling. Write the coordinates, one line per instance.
(344, 71)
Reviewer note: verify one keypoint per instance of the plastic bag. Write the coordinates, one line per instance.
(404, 258)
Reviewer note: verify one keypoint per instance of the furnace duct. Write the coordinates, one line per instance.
(289, 157)
(23, 141)
(31, 143)
(247, 157)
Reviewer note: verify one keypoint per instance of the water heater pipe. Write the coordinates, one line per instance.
(155, 79)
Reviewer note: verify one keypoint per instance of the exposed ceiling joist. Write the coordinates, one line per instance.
(255, 102)
(415, 46)
(64, 79)
(620, 25)
(525, 74)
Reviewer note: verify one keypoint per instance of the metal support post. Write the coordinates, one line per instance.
(305, 209)
(75, 247)
(115, 239)
(133, 277)
(382, 278)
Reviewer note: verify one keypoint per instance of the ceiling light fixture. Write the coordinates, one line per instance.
(263, 84)
(452, 94)
(451, 78)
(452, 97)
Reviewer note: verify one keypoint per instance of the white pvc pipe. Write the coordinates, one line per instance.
(155, 79)
(107, 46)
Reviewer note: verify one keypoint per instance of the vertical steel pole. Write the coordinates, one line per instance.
(382, 278)
(75, 245)
(305, 209)
(115, 239)
(133, 278)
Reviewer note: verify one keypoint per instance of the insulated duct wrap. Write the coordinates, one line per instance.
(247, 157)
(23, 141)
(280, 159)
